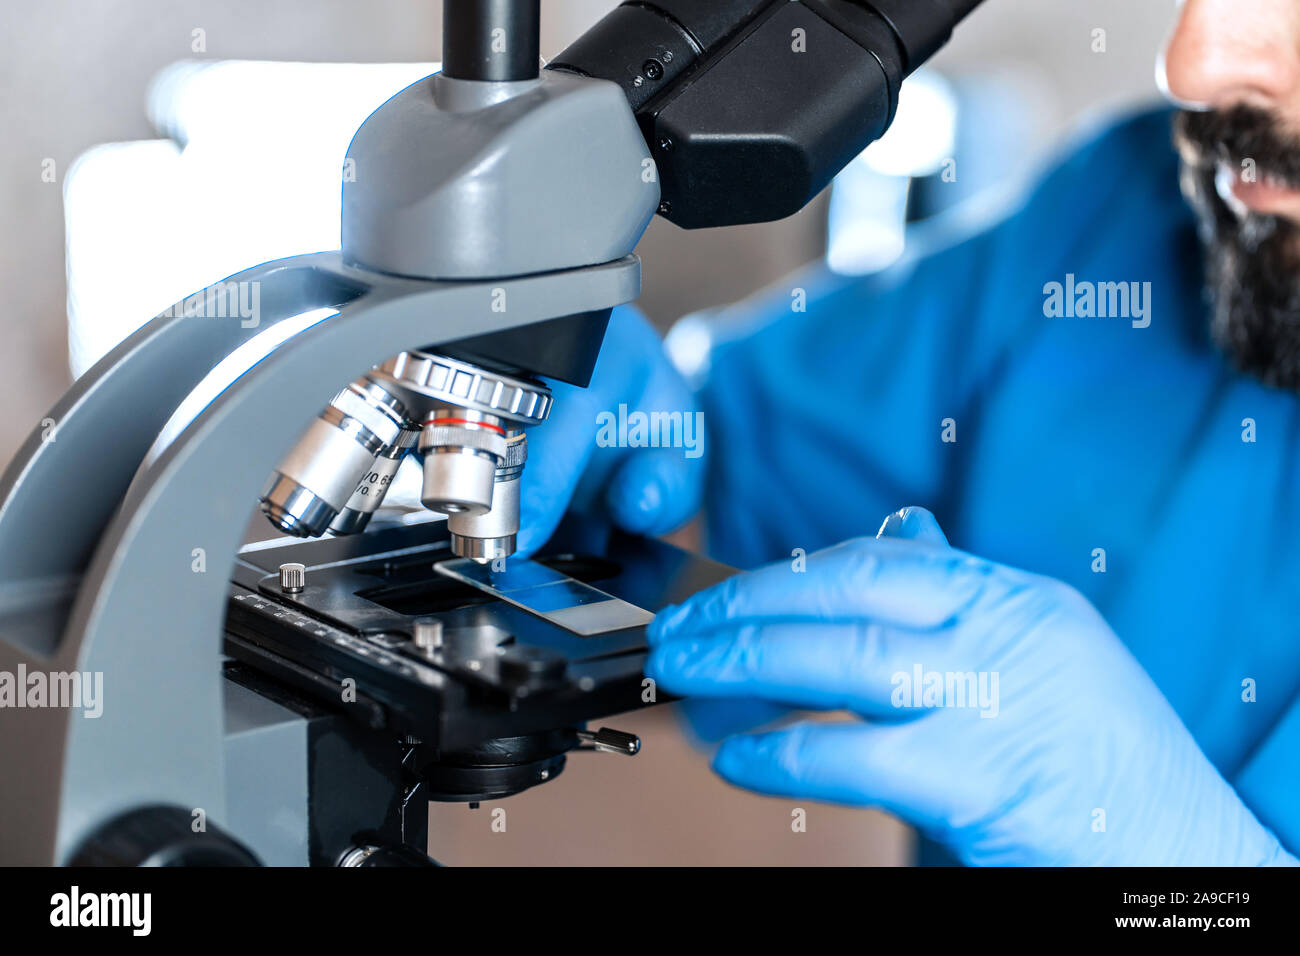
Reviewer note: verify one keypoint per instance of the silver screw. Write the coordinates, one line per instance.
(293, 578)
(427, 633)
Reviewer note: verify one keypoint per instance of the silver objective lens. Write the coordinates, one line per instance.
(486, 537)
(319, 477)
(373, 486)
(472, 442)
(462, 451)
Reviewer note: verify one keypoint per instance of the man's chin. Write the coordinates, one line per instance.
(1254, 279)
(1251, 233)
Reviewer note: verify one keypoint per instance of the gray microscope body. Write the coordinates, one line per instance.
(300, 701)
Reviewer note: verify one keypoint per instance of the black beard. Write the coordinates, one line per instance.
(1253, 260)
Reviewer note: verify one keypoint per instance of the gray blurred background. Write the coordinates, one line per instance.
(73, 74)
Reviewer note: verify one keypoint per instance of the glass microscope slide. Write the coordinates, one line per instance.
(552, 596)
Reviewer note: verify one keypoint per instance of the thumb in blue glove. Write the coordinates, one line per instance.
(1076, 759)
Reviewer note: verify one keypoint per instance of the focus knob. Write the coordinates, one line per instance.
(160, 836)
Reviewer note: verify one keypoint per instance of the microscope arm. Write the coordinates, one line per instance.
(751, 107)
(117, 561)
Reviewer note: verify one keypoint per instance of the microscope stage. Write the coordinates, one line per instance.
(482, 665)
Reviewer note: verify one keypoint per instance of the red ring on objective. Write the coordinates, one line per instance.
(465, 421)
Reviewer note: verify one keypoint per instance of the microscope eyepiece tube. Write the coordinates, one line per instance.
(491, 40)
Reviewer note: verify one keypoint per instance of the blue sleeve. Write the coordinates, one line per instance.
(845, 401)
(1270, 781)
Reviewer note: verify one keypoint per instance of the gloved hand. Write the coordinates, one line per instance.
(649, 491)
(1064, 753)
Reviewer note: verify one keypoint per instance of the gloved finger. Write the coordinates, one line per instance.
(709, 721)
(915, 524)
(894, 581)
(559, 451)
(576, 458)
(563, 453)
(657, 489)
(655, 492)
(899, 768)
(860, 667)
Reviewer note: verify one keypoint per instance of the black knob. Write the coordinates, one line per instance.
(386, 856)
(160, 836)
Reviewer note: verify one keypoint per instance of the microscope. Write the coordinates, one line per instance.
(300, 700)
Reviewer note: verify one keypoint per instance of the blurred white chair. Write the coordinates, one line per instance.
(249, 170)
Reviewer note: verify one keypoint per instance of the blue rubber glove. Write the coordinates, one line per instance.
(1073, 756)
(649, 491)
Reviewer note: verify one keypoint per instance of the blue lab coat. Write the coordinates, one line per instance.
(1077, 438)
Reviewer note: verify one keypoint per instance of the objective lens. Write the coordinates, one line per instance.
(486, 537)
(319, 477)
(473, 444)
(373, 486)
(462, 450)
